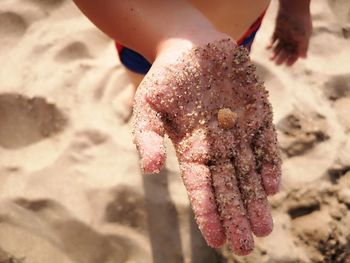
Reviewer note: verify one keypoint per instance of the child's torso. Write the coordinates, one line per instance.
(232, 17)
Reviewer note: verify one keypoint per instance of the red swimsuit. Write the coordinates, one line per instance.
(137, 63)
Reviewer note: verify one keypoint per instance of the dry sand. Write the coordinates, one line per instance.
(70, 184)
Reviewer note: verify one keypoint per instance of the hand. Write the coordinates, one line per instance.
(290, 39)
(229, 167)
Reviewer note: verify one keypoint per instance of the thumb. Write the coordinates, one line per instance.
(148, 136)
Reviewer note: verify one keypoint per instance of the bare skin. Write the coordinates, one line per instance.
(290, 39)
(232, 17)
(228, 171)
(207, 99)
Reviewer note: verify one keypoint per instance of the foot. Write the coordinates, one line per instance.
(211, 105)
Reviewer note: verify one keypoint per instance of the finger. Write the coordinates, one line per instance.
(231, 208)
(148, 136)
(291, 59)
(197, 180)
(268, 159)
(272, 41)
(303, 47)
(282, 57)
(253, 194)
(276, 50)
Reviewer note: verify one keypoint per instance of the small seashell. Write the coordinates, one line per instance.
(227, 118)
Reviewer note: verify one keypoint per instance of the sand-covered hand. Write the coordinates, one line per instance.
(215, 111)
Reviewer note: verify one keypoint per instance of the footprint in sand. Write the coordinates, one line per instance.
(319, 221)
(73, 51)
(279, 92)
(6, 257)
(84, 145)
(324, 238)
(337, 89)
(342, 107)
(127, 208)
(333, 37)
(44, 231)
(341, 10)
(300, 133)
(303, 210)
(25, 121)
(12, 28)
(47, 4)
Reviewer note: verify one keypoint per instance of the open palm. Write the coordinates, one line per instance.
(228, 170)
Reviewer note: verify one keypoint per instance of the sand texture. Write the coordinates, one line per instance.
(71, 189)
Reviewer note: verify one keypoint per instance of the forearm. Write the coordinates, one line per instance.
(295, 6)
(145, 26)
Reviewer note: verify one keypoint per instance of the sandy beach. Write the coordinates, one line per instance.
(71, 190)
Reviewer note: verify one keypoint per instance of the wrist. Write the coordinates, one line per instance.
(177, 44)
(296, 7)
(184, 32)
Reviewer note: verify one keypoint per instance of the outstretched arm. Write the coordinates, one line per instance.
(229, 163)
(290, 39)
(147, 26)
